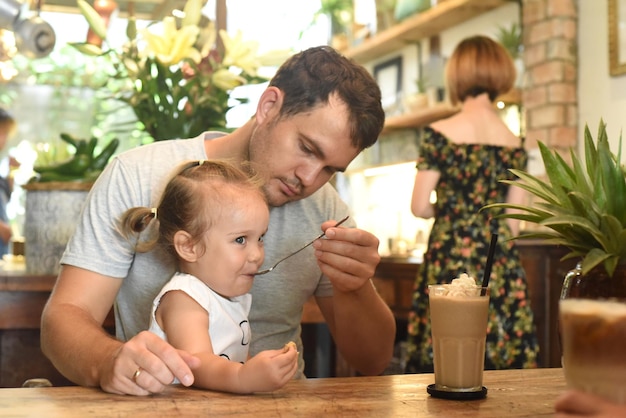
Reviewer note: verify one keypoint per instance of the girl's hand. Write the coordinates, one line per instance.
(269, 370)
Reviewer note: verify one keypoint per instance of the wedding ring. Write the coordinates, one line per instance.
(136, 375)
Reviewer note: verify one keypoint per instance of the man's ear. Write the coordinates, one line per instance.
(269, 104)
(185, 247)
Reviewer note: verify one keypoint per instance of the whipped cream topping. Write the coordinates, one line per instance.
(463, 286)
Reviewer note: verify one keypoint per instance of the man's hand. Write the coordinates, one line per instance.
(146, 364)
(362, 325)
(575, 403)
(348, 257)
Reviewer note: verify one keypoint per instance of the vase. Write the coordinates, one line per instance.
(407, 8)
(592, 325)
(51, 214)
(596, 284)
(415, 102)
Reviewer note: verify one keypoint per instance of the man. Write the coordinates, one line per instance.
(318, 113)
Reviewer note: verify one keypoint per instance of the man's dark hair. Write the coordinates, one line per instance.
(308, 78)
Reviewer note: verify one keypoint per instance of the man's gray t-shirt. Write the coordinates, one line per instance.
(138, 178)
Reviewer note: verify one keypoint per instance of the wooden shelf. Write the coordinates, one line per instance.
(418, 118)
(423, 117)
(512, 97)
(444, 15)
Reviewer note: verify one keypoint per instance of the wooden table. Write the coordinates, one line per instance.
(512, 393)
(22, 299)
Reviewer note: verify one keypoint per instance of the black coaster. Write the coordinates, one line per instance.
(457, 396)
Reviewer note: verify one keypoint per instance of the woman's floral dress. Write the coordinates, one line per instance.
(470, 177)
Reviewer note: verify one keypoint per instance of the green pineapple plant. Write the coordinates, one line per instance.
(582, 206)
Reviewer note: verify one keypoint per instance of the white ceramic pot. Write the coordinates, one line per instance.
(52, 212)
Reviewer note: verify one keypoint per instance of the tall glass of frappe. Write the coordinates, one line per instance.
(458, 315)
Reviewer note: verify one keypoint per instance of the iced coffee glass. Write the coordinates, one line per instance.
(593, 337)
(458, 319)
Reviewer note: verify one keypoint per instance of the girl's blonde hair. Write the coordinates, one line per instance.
(192, 199)
(479, 65)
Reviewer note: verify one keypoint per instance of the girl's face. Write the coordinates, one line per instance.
(233, 246)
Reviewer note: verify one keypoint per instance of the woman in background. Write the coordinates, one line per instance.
(463, 159)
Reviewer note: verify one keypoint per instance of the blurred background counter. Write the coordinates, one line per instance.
(23, 296)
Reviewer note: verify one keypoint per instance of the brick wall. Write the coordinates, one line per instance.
(551, 64)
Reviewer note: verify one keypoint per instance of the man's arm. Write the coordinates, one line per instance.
(361, 323)
(72, 337)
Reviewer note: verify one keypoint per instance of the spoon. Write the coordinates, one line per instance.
(260, 272)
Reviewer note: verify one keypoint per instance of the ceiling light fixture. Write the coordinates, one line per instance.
(34, 37)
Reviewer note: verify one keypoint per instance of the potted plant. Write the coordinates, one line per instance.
(582, 207)
(83, 167)
(177, 75)
(339, 14)
(511, 39)
(419, 99)
(54, 199)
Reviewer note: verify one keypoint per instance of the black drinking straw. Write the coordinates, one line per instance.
(492, 249)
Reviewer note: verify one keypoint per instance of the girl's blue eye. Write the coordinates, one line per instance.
(240, 240)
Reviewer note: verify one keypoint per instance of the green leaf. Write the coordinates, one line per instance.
(594, 258)
(576, 231)
(590, 152)
(584, 184)
(533, 186)
(557, 171)
(87, 49)
(96, 23)
(585, 204)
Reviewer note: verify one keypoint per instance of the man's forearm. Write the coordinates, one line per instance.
(75, 343)
(365, 329)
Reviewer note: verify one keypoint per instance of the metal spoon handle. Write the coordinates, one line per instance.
(322, 235)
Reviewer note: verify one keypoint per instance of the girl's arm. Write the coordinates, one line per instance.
(186, 325)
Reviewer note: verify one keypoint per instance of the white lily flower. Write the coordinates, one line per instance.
(193, 12)
(207, 38)
(275, 57)
(240, 53)
(173, 45)
(227, 80)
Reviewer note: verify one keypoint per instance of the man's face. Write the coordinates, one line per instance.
(299, 154)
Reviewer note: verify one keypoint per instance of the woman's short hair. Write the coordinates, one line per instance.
(479, 65)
